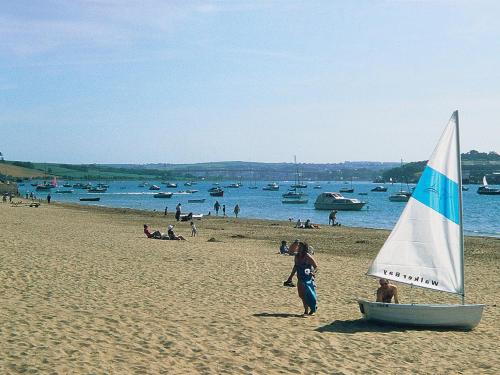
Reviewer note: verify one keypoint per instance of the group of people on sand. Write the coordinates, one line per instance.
(217, 207)
(170, 235)
(306, 225)
(305, 267)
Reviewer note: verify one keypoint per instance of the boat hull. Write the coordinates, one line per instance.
(423, 315)
(163, 195)
(346, 191)
(90, 199)
(339, 206)
(399, 198)
(294, 201)
(488, 191)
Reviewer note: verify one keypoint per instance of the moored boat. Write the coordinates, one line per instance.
(90, 199)
(154, 187)
(202, 200)
(346, 190)
(218, 192)
(336, 201)
(273, 186)
(294, 200)
(163, 195)
(486, 189)
(379, 189)
(97, 190)
(400, 196)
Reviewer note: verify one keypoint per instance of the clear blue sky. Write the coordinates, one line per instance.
(193, 81)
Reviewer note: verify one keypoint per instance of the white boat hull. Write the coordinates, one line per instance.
(427, 315)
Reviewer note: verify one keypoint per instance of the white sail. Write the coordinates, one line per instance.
(485, 183)
(425, 247)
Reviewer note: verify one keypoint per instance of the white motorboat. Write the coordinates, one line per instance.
(336, 201)
(426, 248)
(400, 196)
(273, 186)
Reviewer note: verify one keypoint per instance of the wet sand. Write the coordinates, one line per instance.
(84, 291)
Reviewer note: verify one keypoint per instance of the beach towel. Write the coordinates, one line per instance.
(310, 295)
(305, 275)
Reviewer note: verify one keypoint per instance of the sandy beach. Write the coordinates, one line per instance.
(84, 291)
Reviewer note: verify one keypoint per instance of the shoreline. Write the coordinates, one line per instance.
(170, 214)
(84, 291)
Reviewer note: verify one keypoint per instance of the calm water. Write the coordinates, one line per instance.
(481, 212)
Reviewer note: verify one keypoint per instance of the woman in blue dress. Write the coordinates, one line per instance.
(305, 267)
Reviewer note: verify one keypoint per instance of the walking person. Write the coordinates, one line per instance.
(236, 210)
(178, 212)
(217, 207)
(306, 268)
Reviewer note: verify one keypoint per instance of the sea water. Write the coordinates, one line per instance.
(481, 212)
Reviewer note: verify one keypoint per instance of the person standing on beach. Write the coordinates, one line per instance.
(224, 210)
(216, 207)
(306, 268)
(194, 231)
(49, 197)
(236, 210)
(332, 218)
(166, 210)
(178, 212)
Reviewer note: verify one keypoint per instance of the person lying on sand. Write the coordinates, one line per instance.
(309, 225)
(386, 292)
(172, 235)
(306, 268)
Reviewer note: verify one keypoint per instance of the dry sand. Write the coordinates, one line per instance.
(83, 291)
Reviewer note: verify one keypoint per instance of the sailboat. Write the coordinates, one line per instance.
(349, 189)
(486, 189)
(401, 195)
(295, 195)
(426, 247)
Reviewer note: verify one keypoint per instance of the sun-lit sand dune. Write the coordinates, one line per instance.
(84, 291)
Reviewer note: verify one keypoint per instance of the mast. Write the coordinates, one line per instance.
(460, 206)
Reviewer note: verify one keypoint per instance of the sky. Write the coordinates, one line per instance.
(151, 81)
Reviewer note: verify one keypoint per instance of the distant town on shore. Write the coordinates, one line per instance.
(475, 165)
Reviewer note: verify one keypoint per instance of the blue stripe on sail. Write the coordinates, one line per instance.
(438, 192)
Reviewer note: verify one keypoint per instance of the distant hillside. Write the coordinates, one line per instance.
(475, 165)
(362, 170)
(18, 171)
(236, 170)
